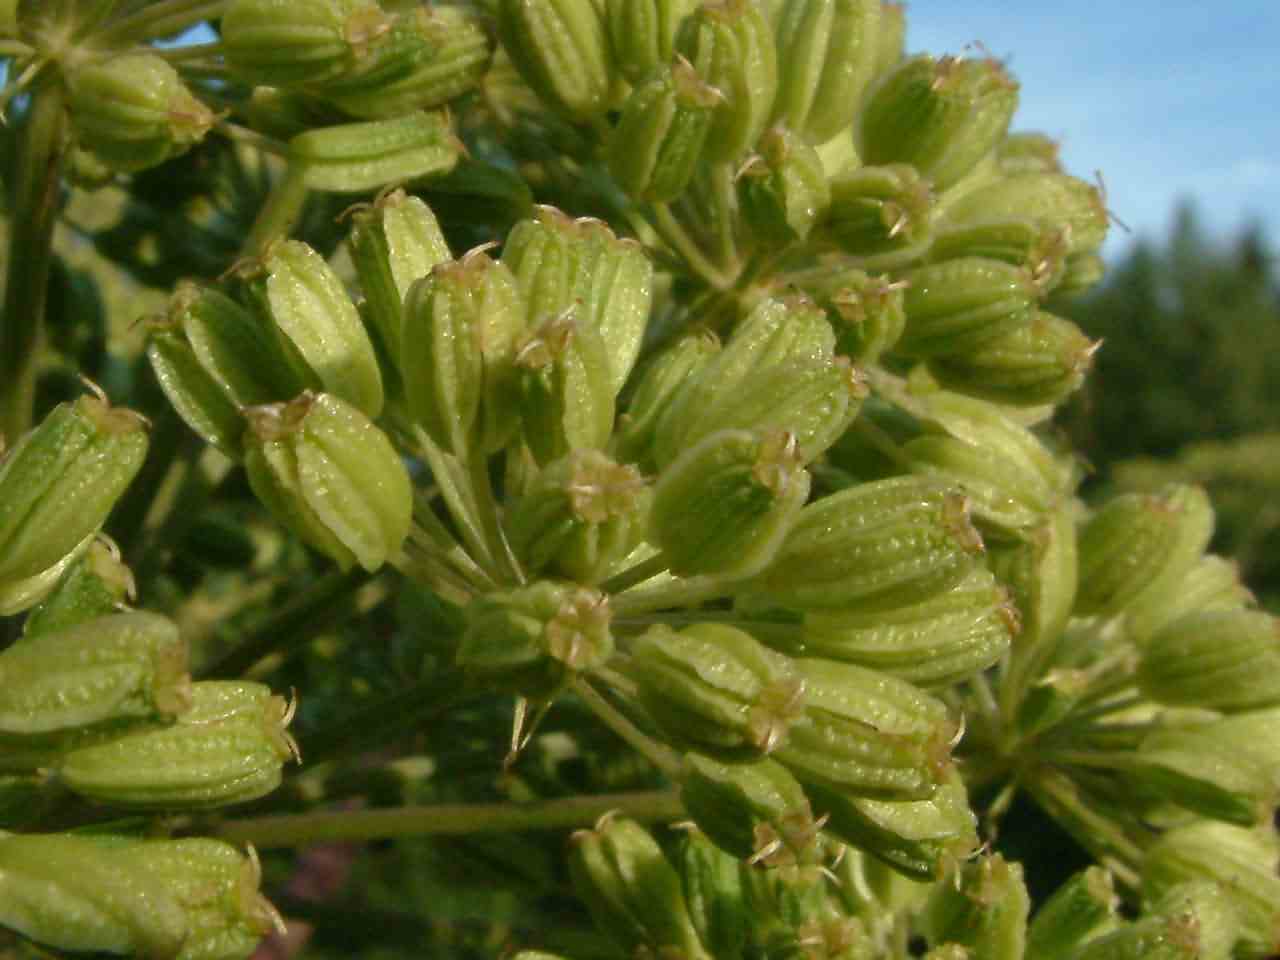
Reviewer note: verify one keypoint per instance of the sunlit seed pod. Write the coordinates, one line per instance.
(1147, 938)
(713, 892)
(1083, 271)
(755, 811)
(1213, 583)
(890, 40)
(1055, 200)
(1222, 660)
(827, 50)
(1084, 907)
(1141, 544)
(717, 689)
(642, 33)
(59, 482)
(124, 665)
(724, 506)
(790, 906)
(288, 43)
(228, 748)
(562, 51)
(1028, 152)
(1041, 362)
(332, 476)
(984, 909)
(1022, 242)
(1206, 909)
(657, 384)
(880, 212)
(394, 242)
(866, 311)
(873, 547)
(941, 116)
(97, 584)
(357, 157)
(956, 306)
(659, 140)
(782, 189)
(133, 111)
(197, 397)
(731, 47)
(632, 892)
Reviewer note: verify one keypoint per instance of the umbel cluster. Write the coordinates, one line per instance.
(740, 435)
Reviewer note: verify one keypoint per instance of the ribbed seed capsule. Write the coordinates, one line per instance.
(1083, 908)
(1022, 242)
(1205, 911)
(717, 688)
(873, 547)
(865, 310)
(60, 481)
(97, 584)
(118, 666)
(355, 157)
(724, 505)
(196, 396)
(1054, 200)
(288, 43)
(714, 894)
(755, 811)
(827, 50)
(1041, 362)
(867, 733)
(659, 140)
(642, 33)
(956, 306)
(1212, 584)
(891, 37)
(633, 894)
(782, 189)
(941, 116)
(985, 909)
(331, 476)
(731, 46)
(1139, 544)
(394, 242)
(228, 748)
(881, 212)
(1225, 660)
(561, 49)
(581, 516)
(133, 111)
(1028, 152)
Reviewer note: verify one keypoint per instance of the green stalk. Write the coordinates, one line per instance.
(451, 819)
(160, 20)
(34, 207)
(662, 757)
(281, 211)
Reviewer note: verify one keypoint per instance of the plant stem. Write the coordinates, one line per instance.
(726, 206)
(676, 593)
(671, 231)
(660, 756)
(454, 489)
(33, 206)
(455, 819)
(281, 211)
(487, 513)
(160, 20)
(634, 576)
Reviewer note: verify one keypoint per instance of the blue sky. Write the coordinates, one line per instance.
(1168, 98)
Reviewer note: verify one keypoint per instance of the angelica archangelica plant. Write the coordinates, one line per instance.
(686, 371)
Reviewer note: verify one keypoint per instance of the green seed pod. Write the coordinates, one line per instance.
(777, 373)
(725, 504)
(827, 50)
(985, 909)
(581, 516)
(954, 307)
(1041, 362)
(566, 385)
(1083, 908)
(133, 111)
(782, 189)
(228, 748)
(941, 116)
(197, 397)
(632, 893)
(69, 892)
(288, 43)
(394, 242)
(117, 666)
(1241, 862)
(97, 584)
(60, 481)
(458, 351)
(659, 140)
(866, 311)
(355, 157)
(1205, 909)
(715, 687)
(1212, 584)
(1083, 270)
(891, 39)
(1141, 545)
(642, 34)
(309, 305)
(331, 476)
(19, 595)
(532, 638)
(790, 908)
(562, 51)
(867, 733)
(1151, 938)
(439, 53)
(1028, 152)
(939, 641)
(918, 838)
(730, 44)
(755, 811)
(1022, 242)
(1054, 200)
(658, 385)
(881, 212)
(1222, 660)
(873, 547)
(713, 893)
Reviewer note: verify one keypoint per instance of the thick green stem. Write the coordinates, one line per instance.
(490, 522)
(634, 576)
(34, 207)
(280, 212)
(662, 757)
(675, 235)
(160, 20)
(456, 819)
